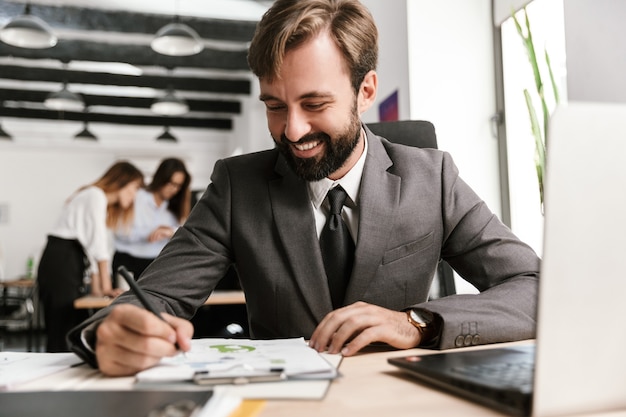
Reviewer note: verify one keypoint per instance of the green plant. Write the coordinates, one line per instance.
(539, 132)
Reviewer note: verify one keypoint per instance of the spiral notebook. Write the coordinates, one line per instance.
(578, 364)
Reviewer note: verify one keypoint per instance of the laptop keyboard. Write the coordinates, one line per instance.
(507, 374)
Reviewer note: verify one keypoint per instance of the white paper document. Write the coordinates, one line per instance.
(292, 358)
(19, 367)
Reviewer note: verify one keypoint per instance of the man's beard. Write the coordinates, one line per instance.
(337, 152)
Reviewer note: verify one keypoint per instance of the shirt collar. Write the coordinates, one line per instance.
(351, 182)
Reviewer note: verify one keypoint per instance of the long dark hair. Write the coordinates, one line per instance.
(180, 204)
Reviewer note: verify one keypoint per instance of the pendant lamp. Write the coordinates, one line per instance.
(166, 136)
(64, 100)
(170, 105)
(85, 133)
(177, 39)
(4, 135)
(28, 31)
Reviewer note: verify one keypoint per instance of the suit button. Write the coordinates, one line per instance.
(476, 340)
(458, 342)
(468, 340)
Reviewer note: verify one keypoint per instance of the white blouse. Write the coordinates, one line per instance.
(148, 216)
(84, 218)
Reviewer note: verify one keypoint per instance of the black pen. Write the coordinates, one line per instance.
(140, 294)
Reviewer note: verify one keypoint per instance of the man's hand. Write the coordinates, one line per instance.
(349, 329)
(131, 339)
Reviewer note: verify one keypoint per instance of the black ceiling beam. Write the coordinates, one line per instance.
(67, 50)
(38, 96)
(204, 123)
(211, 85)
(128, 22)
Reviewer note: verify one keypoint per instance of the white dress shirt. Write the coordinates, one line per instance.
(351, 183)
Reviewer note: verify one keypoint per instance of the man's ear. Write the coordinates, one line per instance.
(367, 91)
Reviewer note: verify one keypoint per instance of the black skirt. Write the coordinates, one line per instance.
(60, 276)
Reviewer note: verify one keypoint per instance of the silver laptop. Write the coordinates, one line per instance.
(579, 362)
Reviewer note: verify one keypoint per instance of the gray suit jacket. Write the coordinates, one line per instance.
(414, 210)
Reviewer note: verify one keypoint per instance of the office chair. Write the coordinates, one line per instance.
(421, 134)
(17, 312)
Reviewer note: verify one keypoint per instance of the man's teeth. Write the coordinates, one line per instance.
(306, 146)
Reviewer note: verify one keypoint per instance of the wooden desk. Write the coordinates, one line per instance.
(368, 387)
(18, 283)
(219, 297)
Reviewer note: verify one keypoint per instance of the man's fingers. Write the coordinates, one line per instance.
(130, 339)
(349, 329)
(183, 329)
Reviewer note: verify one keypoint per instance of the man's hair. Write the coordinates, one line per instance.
(290, 23)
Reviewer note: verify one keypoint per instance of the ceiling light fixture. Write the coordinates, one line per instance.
(85, 133)
(166, 136)
(28, 31)
(177, 39)
(4, 135)
(170, 105)
(64, 100)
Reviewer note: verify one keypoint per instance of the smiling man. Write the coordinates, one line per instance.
(397, 210)
(313, 111)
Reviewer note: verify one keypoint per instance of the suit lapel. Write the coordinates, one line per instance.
(378, 200)
(291, 205)
(295, 222)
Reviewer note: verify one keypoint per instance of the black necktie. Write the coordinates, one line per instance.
(337, 248)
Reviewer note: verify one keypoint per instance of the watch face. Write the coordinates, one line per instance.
(417, 318)
(421, 318)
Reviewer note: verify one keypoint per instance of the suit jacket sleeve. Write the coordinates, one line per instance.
(487, 254)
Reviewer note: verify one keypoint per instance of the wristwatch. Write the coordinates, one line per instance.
(422, 320)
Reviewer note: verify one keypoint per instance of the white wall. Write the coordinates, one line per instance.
(452, 85)
(393, 59)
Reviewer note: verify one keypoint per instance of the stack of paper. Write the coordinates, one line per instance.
(238, 358)
(20, 367)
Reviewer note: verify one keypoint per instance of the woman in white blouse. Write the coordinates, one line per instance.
(78, 246)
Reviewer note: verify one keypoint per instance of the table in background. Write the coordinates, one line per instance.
(218, 297)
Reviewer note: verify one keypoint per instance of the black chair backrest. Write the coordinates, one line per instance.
(418, 133)
(421, 134)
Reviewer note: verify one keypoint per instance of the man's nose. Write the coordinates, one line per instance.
(297, 126)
